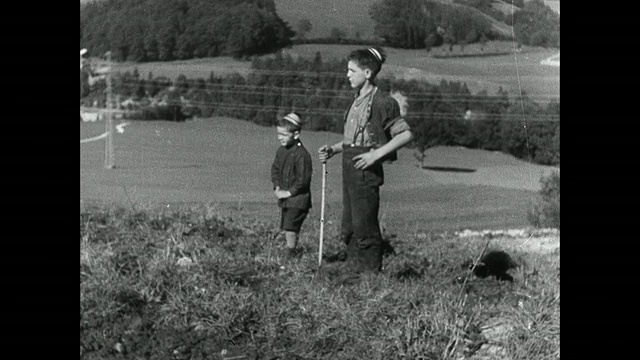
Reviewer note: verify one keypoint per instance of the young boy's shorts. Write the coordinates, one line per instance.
(292, 218)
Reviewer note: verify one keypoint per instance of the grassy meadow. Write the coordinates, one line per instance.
(515, 72)
(200, 284)
(227, 162)
(178, 257)
(349, 16)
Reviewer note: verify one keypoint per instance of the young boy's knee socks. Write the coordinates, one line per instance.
(292, 239)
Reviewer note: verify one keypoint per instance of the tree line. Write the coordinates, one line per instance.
(164, 30)
(439, 114)
(417, 24)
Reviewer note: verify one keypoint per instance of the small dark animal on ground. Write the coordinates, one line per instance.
(494, 263)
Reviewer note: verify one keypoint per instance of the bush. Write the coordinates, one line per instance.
(434, 39)
(537, 24)
(546, 212)
(540, 38)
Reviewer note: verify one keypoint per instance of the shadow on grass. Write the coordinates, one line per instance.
(449, 169)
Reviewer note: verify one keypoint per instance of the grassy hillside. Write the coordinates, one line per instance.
(199, 285)
(349, 16)
(513, 71)
(227, 162)
(499, 28)
(508, 8)
(504, 7)
(553, 4)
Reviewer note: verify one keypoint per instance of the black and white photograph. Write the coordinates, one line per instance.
(320, 179)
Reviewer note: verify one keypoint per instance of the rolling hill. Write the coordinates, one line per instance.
(490, 73)
(350, 16)
(353, 16)
(227, 162)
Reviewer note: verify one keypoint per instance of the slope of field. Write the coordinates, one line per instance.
(198, 285)
(227, 162)
(192, 69)
(497, 27)
(348, 16)
(513, 72)
(553, 4)
(504, 7)
(508, 8)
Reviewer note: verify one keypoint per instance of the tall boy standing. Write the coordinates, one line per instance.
(373, 131)
(291, 178)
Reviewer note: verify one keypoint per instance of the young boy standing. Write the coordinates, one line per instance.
(373, 131)
(291, 177)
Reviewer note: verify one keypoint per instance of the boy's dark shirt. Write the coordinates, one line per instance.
(291, 171)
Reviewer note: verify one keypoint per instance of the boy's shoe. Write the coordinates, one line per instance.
(340, 256)
(387, 248)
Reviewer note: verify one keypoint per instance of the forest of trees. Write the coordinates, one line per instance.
(414, 23)
(409, 23)
(537, 25)
(437, 113)
(440, 114)
(164, 30)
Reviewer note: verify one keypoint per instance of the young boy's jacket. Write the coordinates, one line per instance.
(384, 111)
(291, 171)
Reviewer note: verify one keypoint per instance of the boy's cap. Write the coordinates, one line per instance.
(293, 118)
(376, 54)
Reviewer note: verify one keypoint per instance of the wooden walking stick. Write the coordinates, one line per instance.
(324, 180)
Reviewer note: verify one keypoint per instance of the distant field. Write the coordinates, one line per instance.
(192, 69)
(227, 162)
(511, 72)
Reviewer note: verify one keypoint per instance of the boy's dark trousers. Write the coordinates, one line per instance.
(361, 202)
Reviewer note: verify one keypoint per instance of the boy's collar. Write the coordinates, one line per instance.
(371, 89)
(296, 142)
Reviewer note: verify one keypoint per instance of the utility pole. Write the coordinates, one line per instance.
(108, 148)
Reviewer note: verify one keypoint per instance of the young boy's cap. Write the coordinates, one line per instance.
(293, 118)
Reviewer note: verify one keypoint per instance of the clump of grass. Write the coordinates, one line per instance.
(193, 284)
(546, 211)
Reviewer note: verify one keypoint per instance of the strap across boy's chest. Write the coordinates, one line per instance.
(356, 120)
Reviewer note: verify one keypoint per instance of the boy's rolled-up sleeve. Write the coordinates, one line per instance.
(302, 182)
(400, 125)
(393, 122)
